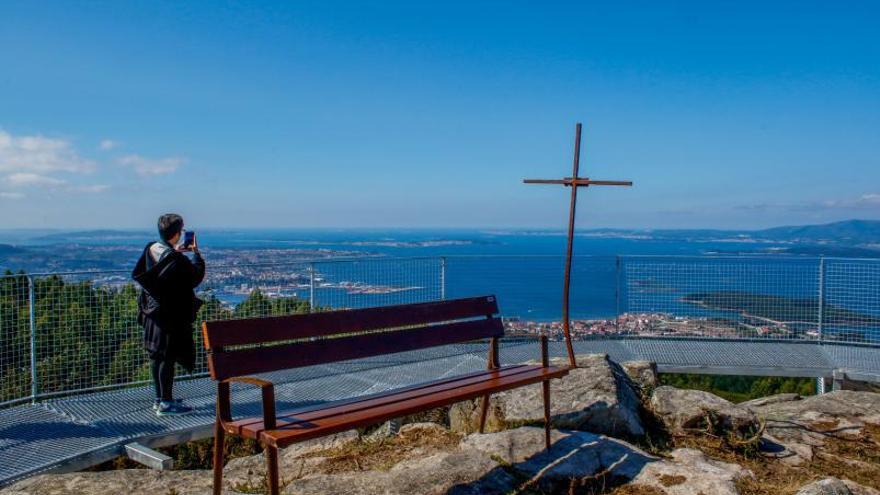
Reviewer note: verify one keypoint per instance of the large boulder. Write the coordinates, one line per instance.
(692, 473)
(298, 459)
(643, 373)
(799, 427)
(686, 411)
(598, 396)
(835, 486)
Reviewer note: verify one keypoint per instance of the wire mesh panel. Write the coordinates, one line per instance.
(732, 297)
(87, 337)
(851, 307)
(529, 290)
(376, 282)
(15, 374)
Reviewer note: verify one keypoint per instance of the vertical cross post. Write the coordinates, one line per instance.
(574, 182)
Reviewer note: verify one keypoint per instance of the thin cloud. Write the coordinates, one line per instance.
(11, 195)
(147, 167)
(27, 179)
(107, 144)
(40, 155)
(869, 201)
(89, 189)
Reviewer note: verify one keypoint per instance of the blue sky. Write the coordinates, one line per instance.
(429, 114)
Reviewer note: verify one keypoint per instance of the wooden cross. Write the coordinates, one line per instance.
(574, 182)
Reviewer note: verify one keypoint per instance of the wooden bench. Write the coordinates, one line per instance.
(237, 348)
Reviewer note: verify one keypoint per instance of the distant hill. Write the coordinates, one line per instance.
(93, 235)
(857, 231)
(849, 233)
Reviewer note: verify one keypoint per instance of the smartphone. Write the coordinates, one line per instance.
(188, 239)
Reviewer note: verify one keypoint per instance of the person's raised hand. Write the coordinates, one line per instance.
(195, 244)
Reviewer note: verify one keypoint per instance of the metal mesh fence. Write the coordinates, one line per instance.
(15, 372)
(85, 330)
(727, 297)
(851, 302)
(529, 290)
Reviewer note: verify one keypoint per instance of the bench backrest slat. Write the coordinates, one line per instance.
(264, 359)
(259, 345)
(224, 333)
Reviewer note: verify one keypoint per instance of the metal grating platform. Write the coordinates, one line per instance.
(72, 433)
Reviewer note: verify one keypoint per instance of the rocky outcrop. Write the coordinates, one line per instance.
(123, 481)
(296, 460)
(835, 486)
(598, 396)
(494, 463)
(798, 426)
(684, 411)
(692, 473)
(643, 374)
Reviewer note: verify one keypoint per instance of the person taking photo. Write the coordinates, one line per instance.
(167, 306)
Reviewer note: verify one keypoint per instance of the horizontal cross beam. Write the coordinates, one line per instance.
(568, 181)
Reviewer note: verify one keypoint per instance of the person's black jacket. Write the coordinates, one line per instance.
(168, 304)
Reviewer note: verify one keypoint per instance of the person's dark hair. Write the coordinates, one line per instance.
(170, 225)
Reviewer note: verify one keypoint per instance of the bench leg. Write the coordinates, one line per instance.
(546, 385)
(219, 445)
(272, 469)
(484, 409)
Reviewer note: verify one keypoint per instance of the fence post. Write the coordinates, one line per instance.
(821, 305)
(617, 294)
(443, 278)
(32, 322)
(311, 287)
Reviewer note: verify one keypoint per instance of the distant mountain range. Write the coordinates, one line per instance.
(848, 232)
(857, 231)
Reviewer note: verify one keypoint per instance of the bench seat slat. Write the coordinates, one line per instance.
(264, 359)
(224, 333)
(307, 412)
(299, 432)
(317, 423)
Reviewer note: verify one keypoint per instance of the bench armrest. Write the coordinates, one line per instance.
(267, 389)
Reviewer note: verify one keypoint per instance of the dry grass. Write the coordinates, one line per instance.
(854, 457)
(635, 489)
(383, 454)
(672, 479)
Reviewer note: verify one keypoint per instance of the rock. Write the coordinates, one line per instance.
(385, 430)
(292, 461)
(464, 417)
(800, 427)
(514, 460)
(858, 489)
(494, 463)
(643, 373)
(772, 399)
(864, 406)
(121, 481)
(690, 473)
(421, 429)
(435, 474)
(828, 486)
(684, 410)
(575, 455)
(598, 396)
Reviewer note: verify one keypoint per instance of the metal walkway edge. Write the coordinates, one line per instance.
(72, 433)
